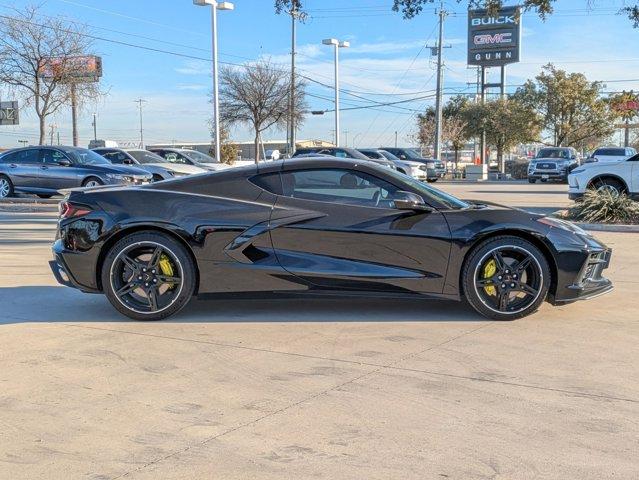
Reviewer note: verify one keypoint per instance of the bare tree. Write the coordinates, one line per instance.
(29, 43)
(257, 95)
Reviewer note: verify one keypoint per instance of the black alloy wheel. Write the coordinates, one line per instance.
(148, 276)
(506, 278)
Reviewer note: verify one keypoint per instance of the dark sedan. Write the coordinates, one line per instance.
(342, 152)
(323, 226)
(45, 171)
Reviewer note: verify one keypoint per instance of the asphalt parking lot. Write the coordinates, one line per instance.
(346, 389)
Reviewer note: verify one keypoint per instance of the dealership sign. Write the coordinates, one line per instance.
(9, 113)
(494, 39)
(75, 69)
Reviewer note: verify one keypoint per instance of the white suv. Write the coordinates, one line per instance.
(616, 177)
(611, 154)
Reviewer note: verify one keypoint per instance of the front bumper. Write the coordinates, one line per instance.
(588, 283)
(561, 175)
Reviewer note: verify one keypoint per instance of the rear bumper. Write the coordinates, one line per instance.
(61, 271)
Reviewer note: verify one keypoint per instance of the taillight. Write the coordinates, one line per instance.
(69, 210)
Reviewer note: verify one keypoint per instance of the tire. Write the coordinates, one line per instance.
(532, 180)
(523, 290)
(44, 195)
(134, 286)
(6, 187)
(431, 180)
(612, 185)
(92, 182)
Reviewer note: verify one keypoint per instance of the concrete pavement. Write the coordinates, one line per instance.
(275, 389)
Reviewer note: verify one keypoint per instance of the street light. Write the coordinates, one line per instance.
(336, 45)
(215, 6)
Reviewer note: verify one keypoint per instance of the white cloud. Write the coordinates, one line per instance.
(194, 67)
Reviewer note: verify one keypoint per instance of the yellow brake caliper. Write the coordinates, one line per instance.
(489, 270)
(166, 267)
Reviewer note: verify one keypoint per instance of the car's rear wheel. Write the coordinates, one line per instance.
(431, 180)
(532, 180)
(6, 187)
(92, 182)
(148, 276)
(505, 278)
(610, 185)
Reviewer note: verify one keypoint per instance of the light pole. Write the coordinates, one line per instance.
(215, 6)
(140, 102)
(336, 46)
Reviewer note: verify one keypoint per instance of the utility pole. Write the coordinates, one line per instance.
(74, 114)
(291, 100)
(95, 126)
(52, 127)
(395, 138)
(58, 135)
(141, 101)
(346, 137)
(440, 84)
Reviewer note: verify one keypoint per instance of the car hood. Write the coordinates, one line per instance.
(555, 160)
(179, 168)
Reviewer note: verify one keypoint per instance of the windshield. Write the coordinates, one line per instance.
(553, 153)
(612, 152)
(143, 156)
(429, 193)
(84, 156)
(413, 154)
(198, 156)
(387, 155)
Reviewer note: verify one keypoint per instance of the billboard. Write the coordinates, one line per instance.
(9, 113)
(84, 68)
(494, 39)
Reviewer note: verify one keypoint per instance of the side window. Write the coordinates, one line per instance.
(339, 186)
(27, 156)
(52, 157)
(10, 157)
(174, 157)
(270, 182)
(112, 156)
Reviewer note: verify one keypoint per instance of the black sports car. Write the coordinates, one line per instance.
(319, 226)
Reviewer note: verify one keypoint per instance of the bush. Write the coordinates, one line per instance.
(605, 207)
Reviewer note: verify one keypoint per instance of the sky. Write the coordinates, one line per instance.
(389, 60)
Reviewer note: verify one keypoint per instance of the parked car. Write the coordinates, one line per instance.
(119, 156)
(187, 156)
(615, 177)
(552, 163)
(417, 166)
(45, 171)
(343, 152)
(611, 154)
(137, 156)
(318, 226)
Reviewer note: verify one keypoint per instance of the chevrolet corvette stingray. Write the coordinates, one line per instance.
(317, 226)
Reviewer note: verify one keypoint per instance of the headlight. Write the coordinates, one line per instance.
(118, 177)
(562, 225)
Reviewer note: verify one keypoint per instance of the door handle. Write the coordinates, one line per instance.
(13, 165)
(44, 167)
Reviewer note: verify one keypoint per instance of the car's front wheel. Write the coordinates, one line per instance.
(610, 185)
(505, 278)
(92, 182)
(148, 276)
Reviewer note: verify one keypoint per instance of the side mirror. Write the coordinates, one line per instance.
(402, 156)
(410, 201)
(63, 162)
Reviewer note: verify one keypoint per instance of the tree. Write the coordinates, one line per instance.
(28, 43)
(412, 8)
(507, 123)
(454, 125)
(573, 110)
(625, 106)
(257, 95)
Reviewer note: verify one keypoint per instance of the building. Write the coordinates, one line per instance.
(246, 149)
